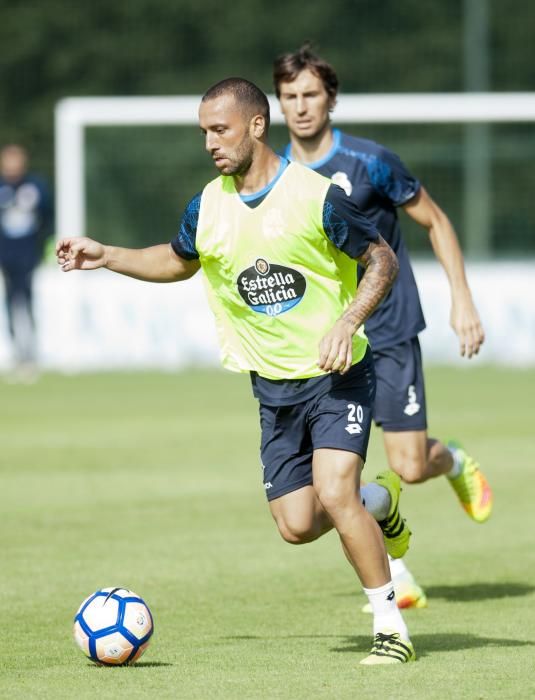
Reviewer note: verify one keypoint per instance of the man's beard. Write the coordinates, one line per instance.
(240, 164)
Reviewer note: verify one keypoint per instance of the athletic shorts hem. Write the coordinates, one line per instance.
(344, 448)
(401, 427)
(272, 494)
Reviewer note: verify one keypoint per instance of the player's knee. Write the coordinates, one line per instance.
(296, 535)
(295, 532)
(333, 496)
(412, 470)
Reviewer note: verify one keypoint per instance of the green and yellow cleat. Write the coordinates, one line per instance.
(471, 486)
(389, 648)
(409, 594)
(395, 530)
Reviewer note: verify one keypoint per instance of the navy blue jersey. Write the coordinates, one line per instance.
(377, 181)
(25, 221)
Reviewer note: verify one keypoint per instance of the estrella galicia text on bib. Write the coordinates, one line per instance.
(271, 289)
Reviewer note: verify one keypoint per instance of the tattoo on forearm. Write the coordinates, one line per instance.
(381, 270)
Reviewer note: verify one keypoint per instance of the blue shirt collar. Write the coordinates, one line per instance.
(337, 137)
(262, 193)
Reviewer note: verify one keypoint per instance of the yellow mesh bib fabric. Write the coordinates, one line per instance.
(275, 282)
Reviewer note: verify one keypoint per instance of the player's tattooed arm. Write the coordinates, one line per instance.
(336, 346)
(382, 268)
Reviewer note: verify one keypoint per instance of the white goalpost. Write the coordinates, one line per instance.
(74, 114)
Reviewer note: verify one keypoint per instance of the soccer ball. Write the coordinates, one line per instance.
(113, 627)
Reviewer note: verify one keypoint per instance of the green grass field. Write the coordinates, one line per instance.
(152, 482)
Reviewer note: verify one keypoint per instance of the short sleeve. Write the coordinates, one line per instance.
(184, 242)
(391, 179)
(345, 225)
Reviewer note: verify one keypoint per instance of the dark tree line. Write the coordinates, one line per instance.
(55, 48)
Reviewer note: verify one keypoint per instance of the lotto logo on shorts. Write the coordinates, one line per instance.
(271, 289)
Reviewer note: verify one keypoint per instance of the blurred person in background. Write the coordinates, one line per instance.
(25, 223)
(377, 181)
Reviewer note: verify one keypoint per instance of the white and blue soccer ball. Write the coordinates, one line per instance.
(113, 626)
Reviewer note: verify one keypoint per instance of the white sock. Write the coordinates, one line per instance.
(398, 570)
(386, 614)
(376, 500)
(457, 463)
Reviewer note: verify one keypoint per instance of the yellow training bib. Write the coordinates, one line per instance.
(275, 282)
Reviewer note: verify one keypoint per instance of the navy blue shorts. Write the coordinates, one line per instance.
(400, 399)
(339, 418)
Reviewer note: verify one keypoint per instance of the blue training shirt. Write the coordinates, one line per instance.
(25, 222)
(377, 181)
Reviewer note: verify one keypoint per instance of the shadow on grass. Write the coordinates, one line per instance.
(139, 664)
(479, 591)
(426, 644)
(150, 664)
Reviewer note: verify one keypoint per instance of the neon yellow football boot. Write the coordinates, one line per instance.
(394, 527)
(389, 648)
(471, 486)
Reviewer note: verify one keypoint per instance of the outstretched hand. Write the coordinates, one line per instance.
(465, 322)
(80, 253)
(336, 348)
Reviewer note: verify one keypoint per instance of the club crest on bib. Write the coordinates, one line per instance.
(271, 289)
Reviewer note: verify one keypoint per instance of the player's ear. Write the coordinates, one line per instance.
(258, 126)
(332, 103)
